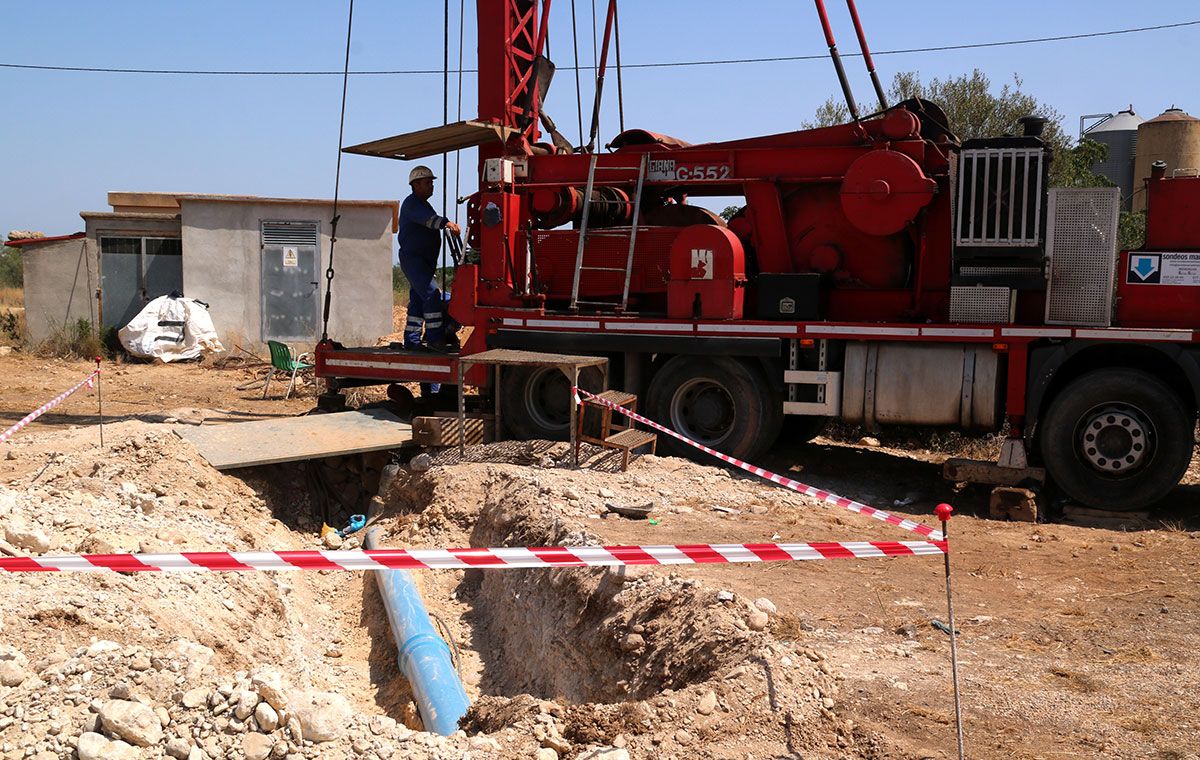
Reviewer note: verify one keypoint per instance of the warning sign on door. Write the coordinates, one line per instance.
(1164, 269)
(291, 257)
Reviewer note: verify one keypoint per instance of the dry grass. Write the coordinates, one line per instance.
(1141, 723)
(72, 341)
(1076, 681)
(788, 627)
(12, 298)
(935, 716)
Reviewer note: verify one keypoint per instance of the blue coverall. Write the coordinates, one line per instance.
(420, 243)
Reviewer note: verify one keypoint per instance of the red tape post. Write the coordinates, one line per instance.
(830, 498)
(503, 558)
(89, 381)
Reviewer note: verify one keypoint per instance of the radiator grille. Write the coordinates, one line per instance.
(290, 233)
(981, 304)
(1082, 249)
(999, 197)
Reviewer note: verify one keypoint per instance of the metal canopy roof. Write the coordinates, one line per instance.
(433, 141)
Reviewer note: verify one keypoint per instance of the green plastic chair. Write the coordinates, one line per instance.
(284, 359)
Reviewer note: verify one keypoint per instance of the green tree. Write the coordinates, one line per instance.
(729, 212)
(1131, 230)
(976, 109)
(1074, 165)
(11, 270)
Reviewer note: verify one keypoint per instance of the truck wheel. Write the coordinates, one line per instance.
(535, 402)
(1117, 439)
(723, 403)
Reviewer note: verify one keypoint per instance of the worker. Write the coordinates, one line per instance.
(420, 244)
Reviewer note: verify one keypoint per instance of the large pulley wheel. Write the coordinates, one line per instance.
(723, 403)
(535, 402)
(1117, 439)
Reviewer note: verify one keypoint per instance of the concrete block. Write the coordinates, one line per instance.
(1018, 504)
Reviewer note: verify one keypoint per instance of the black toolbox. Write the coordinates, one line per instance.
(794, 296)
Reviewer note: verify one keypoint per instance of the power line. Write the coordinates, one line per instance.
(653, 65)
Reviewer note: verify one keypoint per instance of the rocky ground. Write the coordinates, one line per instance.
(1074, 641)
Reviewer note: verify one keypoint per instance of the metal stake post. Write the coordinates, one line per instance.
(574, 420)
(100, 401)
(943, 512)
(462, 410)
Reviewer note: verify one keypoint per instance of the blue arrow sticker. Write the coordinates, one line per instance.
(1144, 267)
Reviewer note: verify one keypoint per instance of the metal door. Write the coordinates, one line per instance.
(162, 267)
(134, 271)
(289, 292)
(120, 280)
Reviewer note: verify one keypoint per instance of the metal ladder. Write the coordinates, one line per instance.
(580, 267)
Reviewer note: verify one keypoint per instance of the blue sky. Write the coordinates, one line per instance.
(68, 138)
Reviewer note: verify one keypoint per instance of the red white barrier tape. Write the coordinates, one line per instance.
(465, 559)
(89, 381)
(830, 498)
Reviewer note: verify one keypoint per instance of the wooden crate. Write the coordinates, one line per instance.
(442, 429)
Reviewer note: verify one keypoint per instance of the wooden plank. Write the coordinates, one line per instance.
(290, 439)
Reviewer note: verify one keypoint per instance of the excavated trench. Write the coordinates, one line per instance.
(631, 652)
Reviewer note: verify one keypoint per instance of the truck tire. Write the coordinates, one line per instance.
(1117, 439)
(723, 403)
(535, 402)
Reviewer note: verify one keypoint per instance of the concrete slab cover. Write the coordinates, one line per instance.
(245, 444)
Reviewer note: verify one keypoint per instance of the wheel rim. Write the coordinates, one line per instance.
(547, 399)
(703, 410)
(1116, 439)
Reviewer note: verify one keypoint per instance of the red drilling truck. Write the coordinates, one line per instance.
(880, 272)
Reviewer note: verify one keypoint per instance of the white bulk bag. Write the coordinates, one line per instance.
(170, 329)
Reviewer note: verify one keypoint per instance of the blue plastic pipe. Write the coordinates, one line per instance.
(423, 655)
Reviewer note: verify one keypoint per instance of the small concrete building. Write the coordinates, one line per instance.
(258, 262)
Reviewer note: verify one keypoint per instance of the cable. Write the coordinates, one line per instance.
(620, 89)
(655, 65)
(595, 69)
(337, 181)
(445, 120)
(578, 91)
(458, 153)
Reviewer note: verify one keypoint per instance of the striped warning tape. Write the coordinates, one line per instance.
(89, 381)
(830, 498)
(464, 559)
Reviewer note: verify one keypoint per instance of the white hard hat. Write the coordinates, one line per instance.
(420, 172)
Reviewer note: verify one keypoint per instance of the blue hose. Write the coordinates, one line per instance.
(423, 655)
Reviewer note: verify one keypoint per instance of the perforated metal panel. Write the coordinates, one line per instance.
(1082, 249)
(981, 304)
(985, 271)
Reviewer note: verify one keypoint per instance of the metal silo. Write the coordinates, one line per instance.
(1120, 133)
(1173, 137)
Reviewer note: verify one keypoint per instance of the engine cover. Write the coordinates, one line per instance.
(707, 274)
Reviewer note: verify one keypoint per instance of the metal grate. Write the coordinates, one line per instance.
(1082, 249)
(999, 197)
(984, 271)
(981, 304)
(290, 233)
